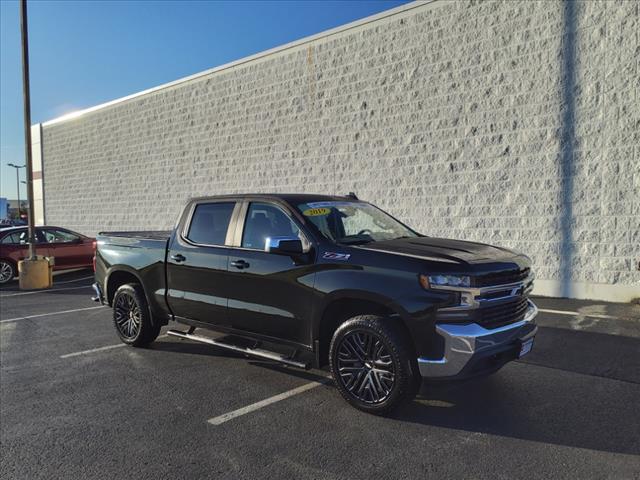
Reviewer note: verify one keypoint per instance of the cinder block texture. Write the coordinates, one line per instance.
(514, 123)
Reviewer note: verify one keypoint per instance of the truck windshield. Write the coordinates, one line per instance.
(353, 223)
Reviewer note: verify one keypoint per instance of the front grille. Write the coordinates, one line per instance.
(501, 278)
(504, 313)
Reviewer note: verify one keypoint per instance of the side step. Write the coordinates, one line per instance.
(255, 352)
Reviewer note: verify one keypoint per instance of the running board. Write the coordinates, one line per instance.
(255, 352)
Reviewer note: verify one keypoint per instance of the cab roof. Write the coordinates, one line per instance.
(292, 198)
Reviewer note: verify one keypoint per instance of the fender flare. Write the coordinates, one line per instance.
(116, 269)
(355, 294)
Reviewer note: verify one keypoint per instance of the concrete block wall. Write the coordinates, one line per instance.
(514, 123)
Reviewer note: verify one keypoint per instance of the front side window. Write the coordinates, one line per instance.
(58, 236)
(210, 222)
(265, 220)
(353, 223)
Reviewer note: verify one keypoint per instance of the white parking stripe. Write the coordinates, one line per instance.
(29, 317)
(567, 312)
(93, 350)
(99, 349)
(43, 291)
(258, 405)
(73, 281)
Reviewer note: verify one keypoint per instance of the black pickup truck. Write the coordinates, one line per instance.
(314, 280)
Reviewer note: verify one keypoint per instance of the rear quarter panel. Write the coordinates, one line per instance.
(142, 258)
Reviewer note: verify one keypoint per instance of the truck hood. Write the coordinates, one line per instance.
(443, 250)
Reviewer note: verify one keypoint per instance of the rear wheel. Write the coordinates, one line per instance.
(132, 318)
(371, 362)
(7, 271)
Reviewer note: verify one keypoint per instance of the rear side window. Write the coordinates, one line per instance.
(15, 238)
(210, 222)
(20, 238)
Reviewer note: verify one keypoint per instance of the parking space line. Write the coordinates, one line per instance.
(29, 317)
(75, 280)
(575, 314)
(93, 350)
(44, 291)
(99, 349)
(225, 417)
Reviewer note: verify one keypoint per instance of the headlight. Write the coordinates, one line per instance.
(428, 281)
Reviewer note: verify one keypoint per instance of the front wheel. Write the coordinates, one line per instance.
(132, 318)
(372, 364)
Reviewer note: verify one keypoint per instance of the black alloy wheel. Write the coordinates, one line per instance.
(127, 316)
(365, 367)
(132, 318)
(373, 363)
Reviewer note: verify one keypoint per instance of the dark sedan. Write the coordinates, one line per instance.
(69, 249)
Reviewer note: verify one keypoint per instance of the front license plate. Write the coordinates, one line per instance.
(526, 347)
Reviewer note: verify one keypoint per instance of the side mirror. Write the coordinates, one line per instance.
(283, 245)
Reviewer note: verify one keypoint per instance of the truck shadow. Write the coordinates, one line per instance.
(579, 389)
(176, 345)
(576, 389)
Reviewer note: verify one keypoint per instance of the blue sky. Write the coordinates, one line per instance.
(86, 53)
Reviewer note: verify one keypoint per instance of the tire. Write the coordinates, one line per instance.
(132, 318)
(7, 271)
(360, 345)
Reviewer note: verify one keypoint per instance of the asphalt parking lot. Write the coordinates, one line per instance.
(76, 404)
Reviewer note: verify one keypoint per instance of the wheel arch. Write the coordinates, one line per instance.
(10, 260)
(118, 276)
(342, 306)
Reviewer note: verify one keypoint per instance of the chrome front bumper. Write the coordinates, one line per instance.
(464, 342)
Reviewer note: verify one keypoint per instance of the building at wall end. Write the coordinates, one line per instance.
(505, 122)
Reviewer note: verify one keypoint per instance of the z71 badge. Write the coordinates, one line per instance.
(336, 256)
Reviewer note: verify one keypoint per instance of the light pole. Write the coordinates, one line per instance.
(24, 30)
(35, 273)
(18, 167)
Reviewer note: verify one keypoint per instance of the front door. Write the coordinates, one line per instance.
(197, 263)
(65, 247)
(269, 294)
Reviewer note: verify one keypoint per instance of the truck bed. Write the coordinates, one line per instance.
(140, 234)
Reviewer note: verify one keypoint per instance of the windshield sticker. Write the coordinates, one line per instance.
(336, 256)
(316, 212)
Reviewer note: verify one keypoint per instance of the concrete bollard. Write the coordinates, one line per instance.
(35, 274)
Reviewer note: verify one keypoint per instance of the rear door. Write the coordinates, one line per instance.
(269, 294)
(197, 262)
(14, 245)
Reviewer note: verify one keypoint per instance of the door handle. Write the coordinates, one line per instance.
(178, 258)
(240, 264)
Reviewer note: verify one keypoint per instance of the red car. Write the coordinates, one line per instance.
(69, 249)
